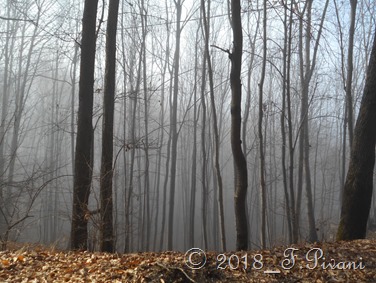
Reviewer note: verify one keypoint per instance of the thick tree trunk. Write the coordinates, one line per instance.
(357, 194)
(84, 140)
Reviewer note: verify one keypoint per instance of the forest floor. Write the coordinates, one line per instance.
(353, 261)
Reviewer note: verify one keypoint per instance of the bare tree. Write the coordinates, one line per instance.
(204, 154)
(240, 164)
(192, 204)
(307, 67)
(173, 130)
(106, 208)
(286, 127)
(260, 131)
(206, 24)
(84, 140)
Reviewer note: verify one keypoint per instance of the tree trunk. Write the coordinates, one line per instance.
(106, 199)
(192, 203)
(260, 133)
(161, 141)
(350, 67)
(240, 164)
(289, 197)
(4, 114)
(357, 194)
(204, 167)
(174, 132)
(215, 126)
(84, 140)
(145, 211)
(307, 67)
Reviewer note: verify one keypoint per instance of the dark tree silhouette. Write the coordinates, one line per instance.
(106, 231)
(82, 165)
(240, 164)
(357, 194)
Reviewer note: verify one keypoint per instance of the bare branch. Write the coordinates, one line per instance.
(222, 49)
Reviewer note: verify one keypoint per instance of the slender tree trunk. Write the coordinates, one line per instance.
(165, 183)
(291, 144)
(284, 117)
(192, 204)
(174, 132)
(260, 133)
(73, 97)
(204, 167)
(4, 114)
(146, 213)
(84, 140)
(161, 138)
(350, 68)
(240, 164)
(22, 93)
(106, 199)
(206, 25)
(307, 67)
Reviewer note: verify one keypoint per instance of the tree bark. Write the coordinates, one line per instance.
(350, 67)
(240, 164)
(84, 140)
(357, 194)
(174, 132)
(215, 126)
(192, 203)
(204, 167)
(106, 200)
(146, 213)
(260, 133)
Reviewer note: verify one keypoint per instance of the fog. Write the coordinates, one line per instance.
(39, 81)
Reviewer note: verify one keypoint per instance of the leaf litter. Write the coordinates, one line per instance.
(352, 261)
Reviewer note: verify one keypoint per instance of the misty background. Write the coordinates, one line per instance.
(39, 75)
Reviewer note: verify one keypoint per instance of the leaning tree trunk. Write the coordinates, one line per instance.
(357, 194)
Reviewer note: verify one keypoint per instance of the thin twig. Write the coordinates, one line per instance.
(177, 268)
